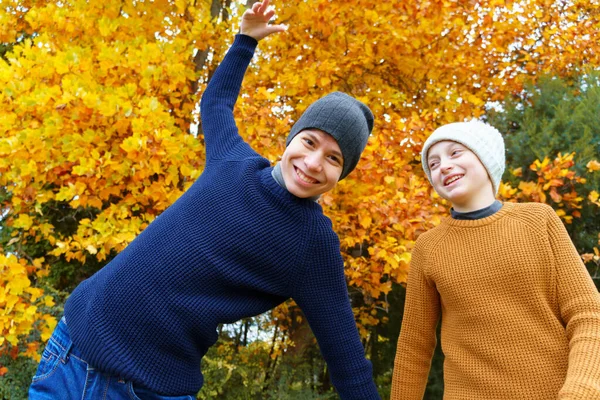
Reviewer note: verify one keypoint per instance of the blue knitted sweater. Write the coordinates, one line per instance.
(234, 245)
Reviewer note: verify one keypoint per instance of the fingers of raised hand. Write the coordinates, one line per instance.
(262, 9)
(269, 14)
(263, 6)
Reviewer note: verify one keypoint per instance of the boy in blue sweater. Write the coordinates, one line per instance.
(243, 239)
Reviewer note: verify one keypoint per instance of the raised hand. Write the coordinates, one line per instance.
(255, 21)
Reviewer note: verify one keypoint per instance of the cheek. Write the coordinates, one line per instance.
(334, 173)
(482, 172)
(286, 165)
(289, 155)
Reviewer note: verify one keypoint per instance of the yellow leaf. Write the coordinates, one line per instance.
(24, 221)
(593, 197)
(593, 166)
(49, 301)
(186, 170)
(66, 193)
(365, 221)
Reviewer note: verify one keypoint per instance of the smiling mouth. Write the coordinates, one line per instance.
(452, 179)
(305, 178)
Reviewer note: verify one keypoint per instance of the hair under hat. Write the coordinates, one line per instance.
(348, 120)
(482, 139)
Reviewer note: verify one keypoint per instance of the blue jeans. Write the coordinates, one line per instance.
(63, 374)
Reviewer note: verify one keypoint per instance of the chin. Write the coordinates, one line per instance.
(456, 200)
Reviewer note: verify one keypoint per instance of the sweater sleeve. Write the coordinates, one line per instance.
(579, 303)
(221, 135)
(417, 340)
(322, 295)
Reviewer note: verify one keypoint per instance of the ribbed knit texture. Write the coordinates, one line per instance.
(482, 139)
(520, 315)
(234, 245)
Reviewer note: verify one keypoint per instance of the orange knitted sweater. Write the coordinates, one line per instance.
(520, 315)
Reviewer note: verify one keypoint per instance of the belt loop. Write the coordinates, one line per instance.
(64, 357)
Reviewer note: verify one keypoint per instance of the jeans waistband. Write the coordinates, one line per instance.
(62, 338)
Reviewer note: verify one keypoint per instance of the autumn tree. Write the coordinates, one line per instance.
(94, 142)
(98, 100)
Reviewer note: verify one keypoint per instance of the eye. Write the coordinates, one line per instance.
(309, 142)
(433, 164)
(336, 160)
(456, 152)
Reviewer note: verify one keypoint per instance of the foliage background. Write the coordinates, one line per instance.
(98, 136)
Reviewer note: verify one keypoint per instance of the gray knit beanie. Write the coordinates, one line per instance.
(349, 121)
(482, 139)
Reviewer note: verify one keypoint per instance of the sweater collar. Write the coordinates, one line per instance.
(477, 214)
(503, 211)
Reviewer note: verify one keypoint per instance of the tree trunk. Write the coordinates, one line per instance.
(247, 322)
(301, 335)
(271, 361)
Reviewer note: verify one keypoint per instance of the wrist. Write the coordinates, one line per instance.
(247, 38)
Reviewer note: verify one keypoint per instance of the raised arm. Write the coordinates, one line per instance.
(216, 107)
(579, 303)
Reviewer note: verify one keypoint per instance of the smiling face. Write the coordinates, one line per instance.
(458, 176)
(311, 164)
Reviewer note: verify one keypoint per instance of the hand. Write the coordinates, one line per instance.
(255, 21)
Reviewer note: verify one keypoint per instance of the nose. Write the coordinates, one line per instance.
(446, 167)
(313, 162)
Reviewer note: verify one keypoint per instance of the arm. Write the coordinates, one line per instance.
(322, 295)
(417, 340)
(216, 107)
(579, 303)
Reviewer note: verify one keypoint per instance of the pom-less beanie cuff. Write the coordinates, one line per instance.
(348, 120)
(482, 139)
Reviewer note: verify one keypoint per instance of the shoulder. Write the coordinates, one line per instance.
(320, 243)
(535, 208)
(532, 214)
(536, 219)
(429, 240)
(434, 234)
(321, 228)
(243, 159)
(319, 260)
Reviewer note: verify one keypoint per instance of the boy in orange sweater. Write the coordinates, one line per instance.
(520, 315)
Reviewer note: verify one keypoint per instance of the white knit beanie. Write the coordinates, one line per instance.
(482, 139)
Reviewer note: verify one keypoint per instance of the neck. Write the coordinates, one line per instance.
(278, 176)
(474, 205)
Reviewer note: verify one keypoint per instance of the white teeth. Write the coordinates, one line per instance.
(454, 178)
(304, 177)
